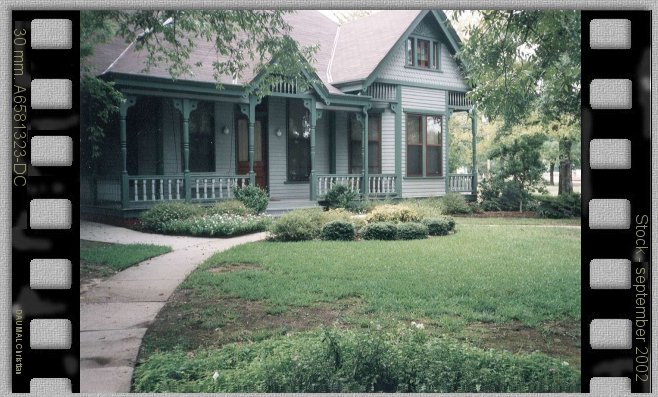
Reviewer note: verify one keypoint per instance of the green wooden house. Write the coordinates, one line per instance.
(376, 119)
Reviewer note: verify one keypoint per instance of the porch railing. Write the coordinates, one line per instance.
(326, 181)
(460, 183)
(382, 184)
(378, 184)
(213, 187)
(150, 188)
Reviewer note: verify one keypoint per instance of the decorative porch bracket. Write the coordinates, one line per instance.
(249, 110)
(125, 104)
(186, 106)
(309, 104)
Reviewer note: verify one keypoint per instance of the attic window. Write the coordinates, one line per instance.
(423, 53)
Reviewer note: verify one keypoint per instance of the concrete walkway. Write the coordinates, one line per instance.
(115, 313)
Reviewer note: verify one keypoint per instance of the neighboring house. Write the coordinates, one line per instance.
(392, 74)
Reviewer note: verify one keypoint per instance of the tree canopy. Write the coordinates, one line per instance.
(524, 68)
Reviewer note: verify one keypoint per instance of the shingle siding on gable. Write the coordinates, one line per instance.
(449, 76)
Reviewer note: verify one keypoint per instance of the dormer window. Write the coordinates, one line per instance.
(423, 53)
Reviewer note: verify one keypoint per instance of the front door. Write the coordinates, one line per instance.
(260, 154)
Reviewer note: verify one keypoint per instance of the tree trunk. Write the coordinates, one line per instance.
(551, 170)
(565, 186)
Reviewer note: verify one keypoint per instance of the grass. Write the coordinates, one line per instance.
(514, 287)
(99, 260)
(474, 220)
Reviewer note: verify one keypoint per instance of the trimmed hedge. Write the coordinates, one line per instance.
(229, 207)
(338, 230)
(393, 213)
(155, 218)
(253, 197)
(439, 226)
(411, 231)
(340, 196)
(217, 225)
(379, 231)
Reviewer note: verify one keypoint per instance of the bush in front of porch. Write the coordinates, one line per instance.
(223, 219)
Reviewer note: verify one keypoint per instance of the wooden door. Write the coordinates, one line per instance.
(260, 153)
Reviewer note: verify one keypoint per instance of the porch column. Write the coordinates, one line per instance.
(186, 106)
(310, 105)
(251, 140)
(446, 151)
(474, 129)
(126, 103)
(363, 117)
(397, 108)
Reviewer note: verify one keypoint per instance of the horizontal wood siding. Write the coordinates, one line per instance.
(449, 76)
(322, 145)
(279, 189)
(225, 144)
(342, 139)
(388, 142)
(423, 98)
(430, 100)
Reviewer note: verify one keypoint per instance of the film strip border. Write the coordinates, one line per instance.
(620, 191)
(45, 203)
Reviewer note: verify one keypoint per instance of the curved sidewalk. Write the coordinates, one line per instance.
(115, 314)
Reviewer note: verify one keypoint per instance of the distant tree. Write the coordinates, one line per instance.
(525, 63)
(550, 156)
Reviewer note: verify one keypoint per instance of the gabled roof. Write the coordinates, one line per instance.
(362, 44)
(351, 52)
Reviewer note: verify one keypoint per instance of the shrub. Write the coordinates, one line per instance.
(336, 214)
(379, 231)
(393, 213)
(405, 361)
(340, 196)
(563, 206)
(411, 231)
(217, 225)
(439, 226)
(455, 203)
(426, 208)
(253, 197)
(300, 225)
(228, 207)
(338, 230)
(157, 216)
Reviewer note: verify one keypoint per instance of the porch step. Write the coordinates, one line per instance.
(280, 207)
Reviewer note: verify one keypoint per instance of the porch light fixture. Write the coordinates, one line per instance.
(278, 132)
(225, 131)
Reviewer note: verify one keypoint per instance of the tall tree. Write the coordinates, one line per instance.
(526, 63)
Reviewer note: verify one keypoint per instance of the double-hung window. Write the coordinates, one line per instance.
(374, 145)
(423, 53)
(424, 145)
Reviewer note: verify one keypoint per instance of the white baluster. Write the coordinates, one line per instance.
(197, 188)
(205, 188)
(212, 187)
(169, 187)
(153, 189)
(177, 189)
(145, 196)
(161, 189)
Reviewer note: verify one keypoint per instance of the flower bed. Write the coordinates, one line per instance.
(217, 225)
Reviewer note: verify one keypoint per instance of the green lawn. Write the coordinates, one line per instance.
(511, 287)
(474, 220)
(99, 260)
